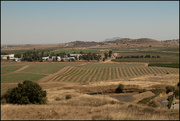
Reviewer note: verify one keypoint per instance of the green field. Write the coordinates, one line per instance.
(172, 65)
(44, 68)
(18, 77)
(10, 68)
(168, 55)
(166, 59)
(23, 51)
(76, 51)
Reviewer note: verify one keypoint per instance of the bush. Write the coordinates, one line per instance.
(152, 104)
(170, 98)
(27, 93)
(68, 97)
(58, 99)
(176, 93)
(120, 88)
(142, 90)
(178, 84)
(169, 89)
(157, 91)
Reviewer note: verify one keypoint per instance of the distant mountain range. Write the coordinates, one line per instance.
(116, 41)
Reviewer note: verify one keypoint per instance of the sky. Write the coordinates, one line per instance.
(51, 22)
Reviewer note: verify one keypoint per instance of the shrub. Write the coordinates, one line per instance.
(120, 88)
(178, 84)
(58, 99)
(112, 102)
(142, 90)
(68, 97)
(152, 104)
(170, 98)
(27, 93)
(157, 91)
(176, 93)
(130, 106)
(146, 100)
(169, 89)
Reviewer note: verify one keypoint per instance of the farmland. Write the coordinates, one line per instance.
(79, 78)
(73, 51)
(87, 72)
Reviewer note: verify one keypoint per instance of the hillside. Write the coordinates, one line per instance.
(145, 42)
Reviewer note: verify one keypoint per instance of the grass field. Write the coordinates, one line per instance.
(10, 68)
(23, 51)
(42, 68)
(172, 65)
(18, 77)
(76, 51)
(157, 60)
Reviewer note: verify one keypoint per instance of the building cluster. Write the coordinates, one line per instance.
(48, 58)
(10, 57)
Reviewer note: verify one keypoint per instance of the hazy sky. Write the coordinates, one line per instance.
(45, 22)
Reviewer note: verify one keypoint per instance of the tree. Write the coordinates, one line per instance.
(169, 89)
(178, 84)
(170, 99)
(120, 88)
(81, 52)
(110, 53)
(26, 93)
(18, 55)
(106, 55)
(104, 59)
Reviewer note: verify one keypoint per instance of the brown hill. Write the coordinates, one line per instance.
(134, 41)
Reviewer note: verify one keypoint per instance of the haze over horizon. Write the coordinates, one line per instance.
(52, 22)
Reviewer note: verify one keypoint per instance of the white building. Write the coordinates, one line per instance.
(73, 55)
(45, 58)
(58, 58)
(11, 56)
(69, 58)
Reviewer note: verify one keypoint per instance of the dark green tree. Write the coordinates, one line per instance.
(26, 93)
(110, 53)
(169, 89)
(120, 88)
(106, 55)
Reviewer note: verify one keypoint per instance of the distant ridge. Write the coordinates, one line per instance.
(112, 39)
(133, 41)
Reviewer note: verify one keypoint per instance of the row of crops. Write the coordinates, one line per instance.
(100, 72)
(80, 72)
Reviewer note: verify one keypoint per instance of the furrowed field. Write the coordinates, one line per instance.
(78, 72)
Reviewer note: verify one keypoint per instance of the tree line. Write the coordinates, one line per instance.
(35, 55)
(141, 56)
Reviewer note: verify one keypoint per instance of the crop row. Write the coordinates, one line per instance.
(92, 73)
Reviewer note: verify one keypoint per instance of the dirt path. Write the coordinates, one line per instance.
(16, 70)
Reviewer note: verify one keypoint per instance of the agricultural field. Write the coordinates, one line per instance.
(73, 50)
(167, 55)
(80, 79)
(78, 72)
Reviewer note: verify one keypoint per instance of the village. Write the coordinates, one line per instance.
(71, 57)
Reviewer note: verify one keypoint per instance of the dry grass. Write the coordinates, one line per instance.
(82, 107)
(79, 112)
